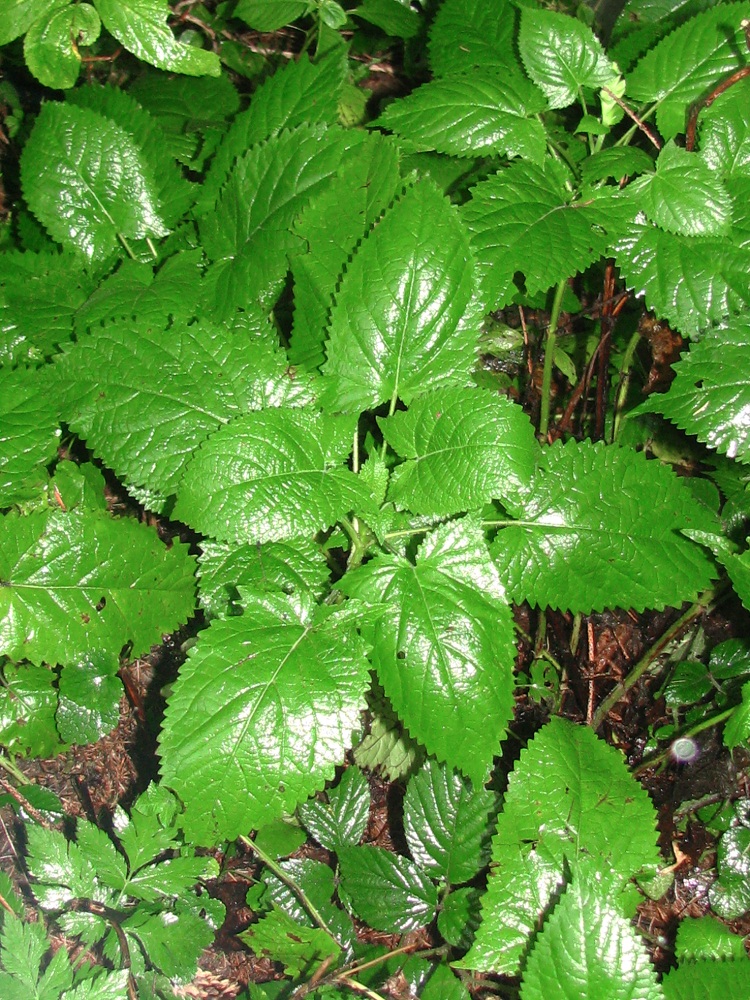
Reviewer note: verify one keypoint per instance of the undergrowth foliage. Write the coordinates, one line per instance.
(265, 319)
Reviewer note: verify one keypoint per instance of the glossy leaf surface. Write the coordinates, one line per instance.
(444, 651)
(447, 823)
(461, 448)
(364, 189)
(467, 35)
(168, 389)
(472, 116)
(85, 180)
(224, 569)
(561, 55)
(696, 980)
(688, 63)
(89, 697)
(524, 219)
(141, 27)
(73, 582)
(262, 712)
(683, 196)
(405, 319)
(300, 92)
(248, 234)
(47, 46)
(710, 396)
(594, 519)
(29, 434)
(693, 282)
(570, 801)
(586, 950)
(340, 821)
(387, 891)
(269, 476)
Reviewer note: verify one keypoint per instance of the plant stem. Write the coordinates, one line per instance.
(624, 384)
(549, 358)
(643, 665)
(713, 720)
(10, 767)
(279, 872)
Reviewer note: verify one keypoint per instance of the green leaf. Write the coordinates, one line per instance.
(100, 853)
(468, 35)
(316, 881)
(248, 234)
(707, 938)
(19, 17)
(79, 581)
(388, 892)
(172, 877)
(106, 986)
(710, 395)
(394, 17)
(89, 697)
(737, 728)
(458, 918)
(135, 292)
(85, 180)
(570, 801)
(270, 476)
(472, 116)
(61, 870)
(524, 219)
(261, 714)
(300, 949)
(363, 190)
(561, 55)
(140, 26)
(341, 821)
(688, 63)
(697, 980)
(150, 829)
(447, 823)
(463, 448)
(23, 953)
(587, 950)
(172, 940)
(444, 651)
(683, 196)
(387, 748)
(725, 133)
(616, 162)
(29, 434)
(28, 702)
(737, 566)
(600, 528)
(405, 318)
(40, 296)
(167, 390)
(193, 113)
(269, 15)
(692, 282)
(48, 47)
(174, 193)
(224, 568)
(730, 893)
(298, 93)
(279, 838)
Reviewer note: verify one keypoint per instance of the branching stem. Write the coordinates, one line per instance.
(288, 881)
(645, 664)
